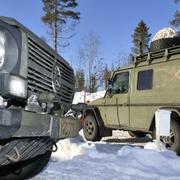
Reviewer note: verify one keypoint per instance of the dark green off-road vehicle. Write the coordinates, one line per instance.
(152, 82)
(36, 91)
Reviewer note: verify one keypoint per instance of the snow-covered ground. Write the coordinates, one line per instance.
(112, 158)
(117, 157)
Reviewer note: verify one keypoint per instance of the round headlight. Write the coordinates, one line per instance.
(2, 48)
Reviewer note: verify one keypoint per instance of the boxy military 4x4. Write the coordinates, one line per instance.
(152, 82)
(36, 91)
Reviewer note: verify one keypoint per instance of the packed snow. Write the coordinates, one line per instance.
(110, 159)
(119, 157)
(87, 97)
(165, 33)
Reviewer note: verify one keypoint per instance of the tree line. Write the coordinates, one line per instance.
(61, 18)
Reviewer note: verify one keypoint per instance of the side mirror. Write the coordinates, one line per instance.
(110, 87)
(110, 84)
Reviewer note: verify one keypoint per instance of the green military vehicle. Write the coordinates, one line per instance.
(36, 91)
(152, 82)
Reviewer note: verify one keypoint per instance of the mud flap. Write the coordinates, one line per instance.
(104, 132)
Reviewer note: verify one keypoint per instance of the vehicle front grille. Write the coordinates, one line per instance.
(40, 75)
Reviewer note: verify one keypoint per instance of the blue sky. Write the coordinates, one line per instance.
(114, 21)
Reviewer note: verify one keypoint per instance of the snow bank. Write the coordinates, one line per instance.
(165, 33)
(85, 96)
(153, 146)
(77, 159)
(79, 97)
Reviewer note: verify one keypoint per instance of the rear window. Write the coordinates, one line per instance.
(145, 79)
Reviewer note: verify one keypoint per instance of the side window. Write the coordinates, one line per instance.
(121, 83)
(144, 81)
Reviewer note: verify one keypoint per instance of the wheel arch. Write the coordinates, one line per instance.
(96, 114)
(104, 131)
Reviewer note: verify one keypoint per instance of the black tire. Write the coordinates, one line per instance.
(137, 134)
(91, 129)
(26, 169)
(172, 142)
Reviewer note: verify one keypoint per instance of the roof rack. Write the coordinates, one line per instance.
(150, 56)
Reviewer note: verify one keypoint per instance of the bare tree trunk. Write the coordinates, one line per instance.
(90, 76)
(55, 36)
(91, 45)
(55, 29)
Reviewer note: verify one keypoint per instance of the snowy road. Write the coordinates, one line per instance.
(112, 158)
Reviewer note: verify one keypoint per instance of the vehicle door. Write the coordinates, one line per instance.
(117, 100)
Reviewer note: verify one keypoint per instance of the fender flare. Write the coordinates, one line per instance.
(96, 113)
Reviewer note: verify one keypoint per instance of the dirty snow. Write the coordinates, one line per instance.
(119, 157)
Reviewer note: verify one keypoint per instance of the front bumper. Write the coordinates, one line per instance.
(20, 123)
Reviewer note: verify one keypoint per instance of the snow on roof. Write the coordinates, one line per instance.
(165, 33)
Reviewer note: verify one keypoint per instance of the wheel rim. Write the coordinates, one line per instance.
(169, 141)
(90, 127)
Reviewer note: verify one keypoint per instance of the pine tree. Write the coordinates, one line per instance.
(106, 76)
(93, 87)
(141, 38)
(59, 17)
(176, 21)
(80, 80)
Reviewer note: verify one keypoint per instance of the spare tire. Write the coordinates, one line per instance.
(164, 43)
